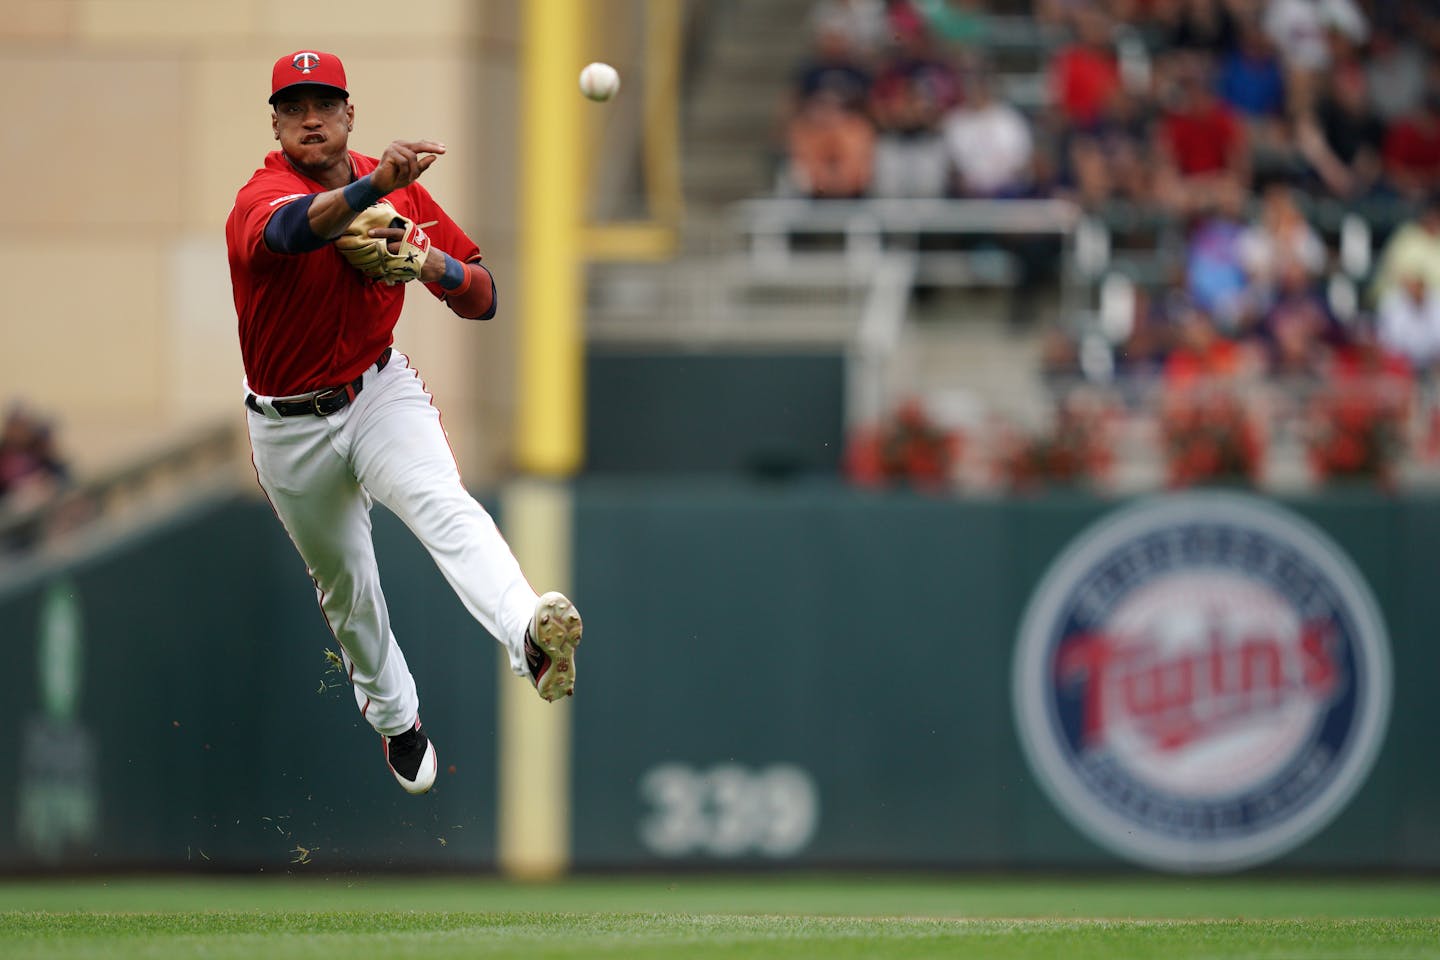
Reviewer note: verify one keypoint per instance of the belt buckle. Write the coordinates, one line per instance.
(317, 397)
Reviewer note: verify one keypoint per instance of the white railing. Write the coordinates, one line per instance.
(866, 229)
(882, 321)
(769, 225)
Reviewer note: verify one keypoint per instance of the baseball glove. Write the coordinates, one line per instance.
(372, 256)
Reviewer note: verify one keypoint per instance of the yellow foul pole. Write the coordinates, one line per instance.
(533, 808)
(549, 439)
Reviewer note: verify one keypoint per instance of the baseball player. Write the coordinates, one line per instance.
(322, 243)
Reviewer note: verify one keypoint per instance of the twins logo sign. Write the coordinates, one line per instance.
(1201, 682)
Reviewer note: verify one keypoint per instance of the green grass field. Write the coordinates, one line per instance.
(704, 918)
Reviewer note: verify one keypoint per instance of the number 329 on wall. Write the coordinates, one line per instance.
(728, 810)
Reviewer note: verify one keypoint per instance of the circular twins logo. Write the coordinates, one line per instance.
(1201, 681)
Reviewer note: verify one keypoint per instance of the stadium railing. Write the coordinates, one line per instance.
(771, 228)
(176, 473)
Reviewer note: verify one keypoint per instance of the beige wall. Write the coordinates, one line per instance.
(129, 125)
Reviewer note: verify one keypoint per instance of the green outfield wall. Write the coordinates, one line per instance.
(205, 725)
(702, 412)
(772, 674)
(779, 649)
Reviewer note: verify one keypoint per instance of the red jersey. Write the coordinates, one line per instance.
(1204, 141)
(310, 321)
(1082, 81)
(1188, 367)
(1413, 148)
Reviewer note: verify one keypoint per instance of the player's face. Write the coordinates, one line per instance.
(313, 127)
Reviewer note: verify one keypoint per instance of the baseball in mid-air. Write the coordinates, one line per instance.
(599, 81)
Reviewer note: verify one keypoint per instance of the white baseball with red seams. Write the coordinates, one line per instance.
(599, 81)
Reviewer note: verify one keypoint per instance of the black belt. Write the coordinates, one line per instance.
(321, 403)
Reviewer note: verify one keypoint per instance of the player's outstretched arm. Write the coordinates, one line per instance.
(311, 222)
(400, 165)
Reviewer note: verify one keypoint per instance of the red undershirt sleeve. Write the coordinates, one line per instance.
(474, 299)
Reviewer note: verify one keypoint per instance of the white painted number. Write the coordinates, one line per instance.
(728, 810)
(678, 823)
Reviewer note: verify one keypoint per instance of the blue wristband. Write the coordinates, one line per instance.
(360, 193)
(454, 274)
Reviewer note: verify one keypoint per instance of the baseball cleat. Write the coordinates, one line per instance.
(411, 757)
(550, 643)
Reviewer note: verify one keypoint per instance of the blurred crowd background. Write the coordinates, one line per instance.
(1188, 106)
(1272, 166)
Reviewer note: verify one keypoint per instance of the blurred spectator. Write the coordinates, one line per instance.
(1304, 31)
(1201, 25)
(862, 24)
(1141, 357)
(1395, 71)
(1059, 358)
(1208, 435)
(903, 18)
(988, 142)
(30, 465)
(1076, 448)
(1215, 273)
(1298, 334)
(1201, 355)
(1344, 140)
(991, 151)
(832, 149)
(910, 448)
(1203, 158)
(954, 21)
(1358, 425)
(1278, 240)
(1408, 322)
(913, 90)
(1365, 358)
(1108, 158)
(1251, 82)
(916, 73)
(834, 68)
(1413, 251)
(1085, 74)
(1412, 150)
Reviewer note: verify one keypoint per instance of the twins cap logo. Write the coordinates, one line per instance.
(305, 61)
(1201, 682)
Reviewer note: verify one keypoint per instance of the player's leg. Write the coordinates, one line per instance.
(403, 458)
(327, 515)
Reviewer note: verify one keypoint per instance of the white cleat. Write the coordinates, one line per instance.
(411, 757)
(550, 643)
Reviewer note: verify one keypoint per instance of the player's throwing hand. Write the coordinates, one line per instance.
(403, 161)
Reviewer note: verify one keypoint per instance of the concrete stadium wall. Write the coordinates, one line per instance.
(143, 118)
(774, 674)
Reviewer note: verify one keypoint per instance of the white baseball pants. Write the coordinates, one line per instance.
(320, 474)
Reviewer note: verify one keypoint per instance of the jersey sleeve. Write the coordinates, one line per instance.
(256, 203)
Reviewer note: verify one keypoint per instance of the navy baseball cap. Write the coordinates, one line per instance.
(307, 67)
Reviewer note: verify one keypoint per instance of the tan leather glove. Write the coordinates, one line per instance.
(372, 256)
